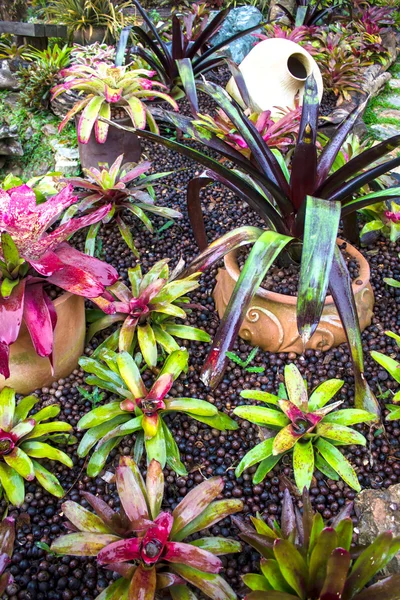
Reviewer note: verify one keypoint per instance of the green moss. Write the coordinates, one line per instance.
(37, 149)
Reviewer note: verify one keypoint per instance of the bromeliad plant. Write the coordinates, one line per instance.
(392, 367)
(301, 208)
(114, 186)
(147, 311)
(23, 439)
(7, 538)
(31, 257)
(107, 87)
(382, 218)
(304, 427)
(308, 13)
(185, 44)
(145, 545)
(307, 559)
(142, 410)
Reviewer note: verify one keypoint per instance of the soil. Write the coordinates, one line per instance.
(285, 279)
(206, 452)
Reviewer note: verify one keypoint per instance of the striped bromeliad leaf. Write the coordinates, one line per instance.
(142, 410)
(306, 427)
(147, 311)
(27, 248)
(23, 438)
(7, 538)
(144, 544)
(114, 187)
(292, 202)
(307, 559)
(105, 87)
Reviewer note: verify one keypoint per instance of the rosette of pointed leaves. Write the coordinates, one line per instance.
(307, 13)
(392, 367)
(24, 437)
(382, 218)
(279, 132)
(7, 538)
(142, 411)
(145, 545)
(106, 86)
(147, 311)
(304, 558)
(186, 42)
(30, 257)
(305, 428)
(113, 187)
(304, 202)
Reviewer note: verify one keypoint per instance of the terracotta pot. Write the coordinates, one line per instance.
(28, 370)
(118, 142)
(270, 320)
(89, 36)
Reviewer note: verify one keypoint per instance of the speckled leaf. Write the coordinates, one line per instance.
(340, 433)
(41, 450)
(48, 480)
(21, 463)
(131, 375)
(195, 502)
(260, 452)
(336, 572)
(349, 416)
(213, 586)
(295, 387)
(7, 408)
(218, 545)
(12, 484)
(339, 463)
(260, 396)
(303, 464)
(82, 544)
(261, 415)
(323, 393)
(218, 510)
(83, 519)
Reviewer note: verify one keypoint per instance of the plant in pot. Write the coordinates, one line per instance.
(110, 93)
(25, 439)
(192, 44)
(145, 545)
(304, 557)
(89, 21)
(306, 427)
(114, 186)
(33, 256)
(302, 211)
(142, 411)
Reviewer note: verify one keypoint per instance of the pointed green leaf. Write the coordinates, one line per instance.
(303, 464)
(339, 463)
(12, 484)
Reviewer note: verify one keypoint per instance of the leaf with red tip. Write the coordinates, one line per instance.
(195, 502)
(120, 551)
(143, 584)
(326, 543)
(177, 552)
(11, 311)
(38, 319)
(7, 535)
(82, 544)
(212, 585)
(131, 497)
(215, 512)
(155, 487)
(83, 519)
(285, 439)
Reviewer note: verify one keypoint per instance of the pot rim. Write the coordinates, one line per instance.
(232, 267)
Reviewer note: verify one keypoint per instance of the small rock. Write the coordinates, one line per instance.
(384, 130)
(377, 511)
(9, 142)
(390, 113)
(7, 80)
(66, 158)
(394, 83)
(11, 100)
(49, 129)
(238, 19)
(393, 99)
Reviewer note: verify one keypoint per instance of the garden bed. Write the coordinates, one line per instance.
(204, 451)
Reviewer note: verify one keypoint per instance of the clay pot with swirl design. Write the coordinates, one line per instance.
(270, 320)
